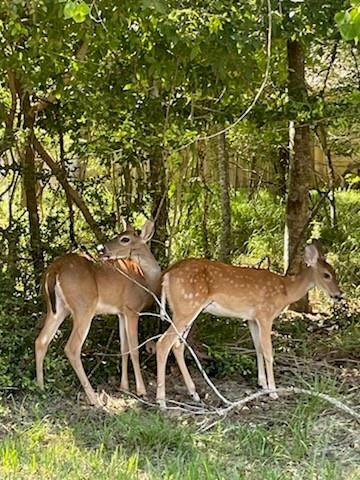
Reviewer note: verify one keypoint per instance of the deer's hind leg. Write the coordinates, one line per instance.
(265, 326)
(81, 326)
(179, 350)
(171, 340)
(51, 326)
(255, 334)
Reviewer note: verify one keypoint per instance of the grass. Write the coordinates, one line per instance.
(51, 438)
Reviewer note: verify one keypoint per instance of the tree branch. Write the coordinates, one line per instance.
(332, 61)
(60, 174)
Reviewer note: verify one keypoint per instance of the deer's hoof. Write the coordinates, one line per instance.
(195, 397)
(161, 403)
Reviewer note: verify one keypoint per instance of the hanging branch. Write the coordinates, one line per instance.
(73, 194)
(320, 133)
(332, 61)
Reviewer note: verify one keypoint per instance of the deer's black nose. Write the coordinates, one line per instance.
(337, 297)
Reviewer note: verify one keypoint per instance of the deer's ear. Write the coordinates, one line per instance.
(148, 230)
(316, 243)
(311, 256)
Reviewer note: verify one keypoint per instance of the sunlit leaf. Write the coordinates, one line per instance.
(69, 9)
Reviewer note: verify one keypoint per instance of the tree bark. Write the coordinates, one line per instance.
(297, 207)
(223, 166)
(29, 179)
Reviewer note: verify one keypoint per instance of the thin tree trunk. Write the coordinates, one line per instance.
(29, 178)
(115, 191)
(69, 202)
(322, 136)
(158, 190)
(223, 166)
(297, 207)
(201, 152)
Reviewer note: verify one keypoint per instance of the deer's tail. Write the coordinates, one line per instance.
(50, 282)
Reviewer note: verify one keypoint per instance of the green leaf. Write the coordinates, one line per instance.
(349, 23)
(76, 10)
(339, 18)
(69, 9)
(79, 17)
(355, 15)
(349, 31)
(83, 8)
(214, 24)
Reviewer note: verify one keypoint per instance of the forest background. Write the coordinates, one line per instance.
(236, 126)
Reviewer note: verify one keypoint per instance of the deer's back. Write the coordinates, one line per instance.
(89, 284)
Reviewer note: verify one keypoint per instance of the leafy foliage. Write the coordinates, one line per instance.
(348, 22)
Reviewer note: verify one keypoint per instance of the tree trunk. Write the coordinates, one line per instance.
(223, 165)
(69, 202)
(201, 153)
(322, 136)
(297, 207)
(29, 178)
(158, 191)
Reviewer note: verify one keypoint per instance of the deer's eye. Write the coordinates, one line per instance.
(327, 276)
(124, 239)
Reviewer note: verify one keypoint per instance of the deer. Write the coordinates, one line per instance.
(196, 285)
(80, 287)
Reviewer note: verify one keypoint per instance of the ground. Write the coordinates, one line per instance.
(57, 435)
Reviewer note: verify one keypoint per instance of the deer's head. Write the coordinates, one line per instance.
(323, 273)
(129, 243)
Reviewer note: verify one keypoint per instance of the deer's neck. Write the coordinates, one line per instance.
(298, 285)
(150, 269)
